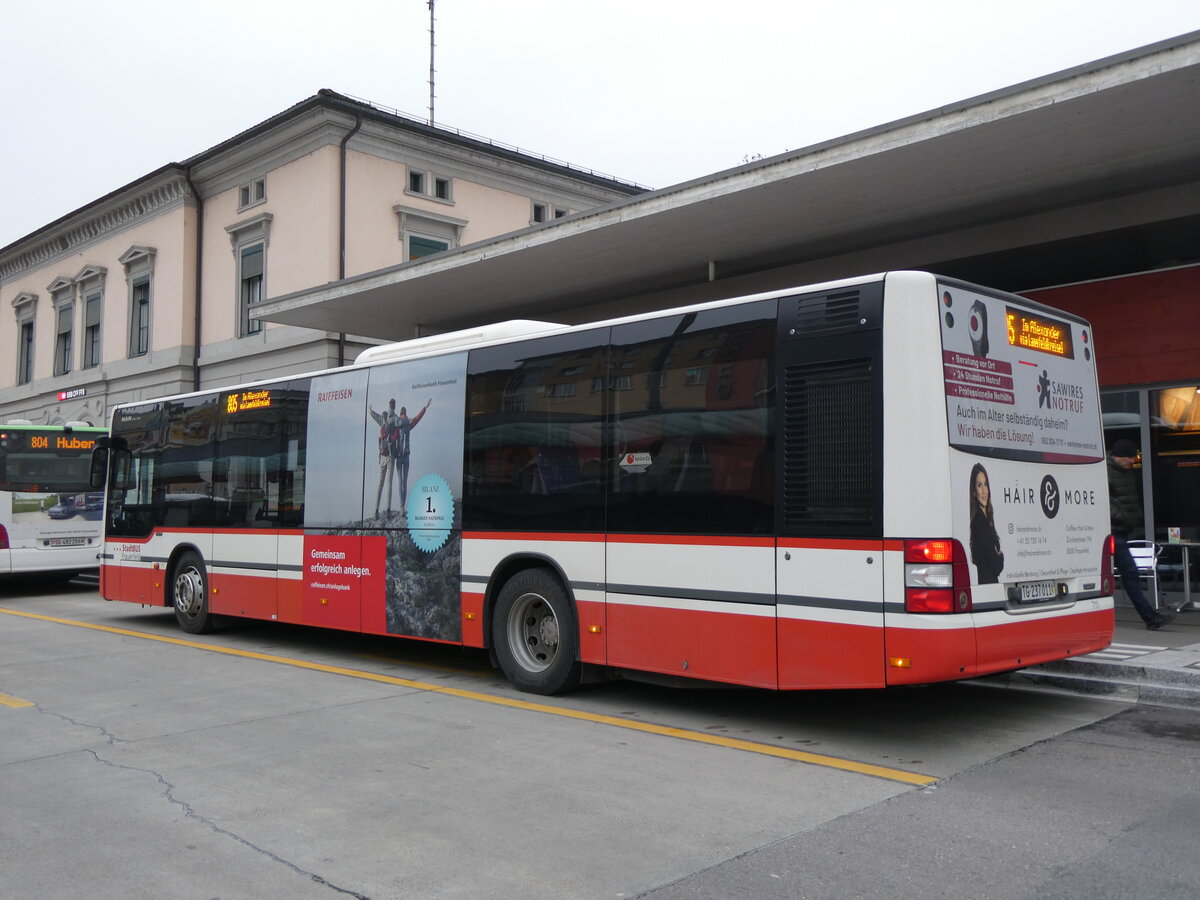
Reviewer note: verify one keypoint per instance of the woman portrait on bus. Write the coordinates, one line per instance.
(985, 542)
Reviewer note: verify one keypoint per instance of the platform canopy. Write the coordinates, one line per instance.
(1109, 145)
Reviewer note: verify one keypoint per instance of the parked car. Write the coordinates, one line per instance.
(64, 509)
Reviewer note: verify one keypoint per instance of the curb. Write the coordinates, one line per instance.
(1155, 685)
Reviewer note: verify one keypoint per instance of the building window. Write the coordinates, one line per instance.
(250, 278)
(1175, 466)
(427, 184)
(91, 329)
(544, 212)
(139, 276)
(62, 340)
(25, 307)
(252, 193)
(139, 330)
(90, 281)
(422, 246)
(62, 292)
(25, 354)
(424, 233)
(249, 240)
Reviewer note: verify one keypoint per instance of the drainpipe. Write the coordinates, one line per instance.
(341, 351)
(187, 174)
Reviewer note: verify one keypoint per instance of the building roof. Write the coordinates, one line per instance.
(1107, 145)
(246, 142)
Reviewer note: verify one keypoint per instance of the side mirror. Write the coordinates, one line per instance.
(98, 473)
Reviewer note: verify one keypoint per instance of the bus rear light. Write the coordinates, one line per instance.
(936, 601)
(3, 538)
(937, 551)
(936, 577)
(1106, 566)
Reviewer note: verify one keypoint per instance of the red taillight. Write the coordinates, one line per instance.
(936, 577)
(929, 551)
(3, 538)
(919, 600)
(1106, 566)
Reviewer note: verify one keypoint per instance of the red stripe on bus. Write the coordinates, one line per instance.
(950, 654)
(839, 544)
(691, 539)
(163, 532)
(526, 536)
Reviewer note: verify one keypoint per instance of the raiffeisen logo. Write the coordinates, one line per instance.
(1059, 395)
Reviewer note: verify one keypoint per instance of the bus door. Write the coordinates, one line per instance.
(245, 554)
(691, 584)
(829, 485)
(692, 606)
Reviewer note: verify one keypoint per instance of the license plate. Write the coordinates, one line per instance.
(1033, 591)
(67, 542)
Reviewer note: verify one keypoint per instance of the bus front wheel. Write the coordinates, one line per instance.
(189, 594)
(534, 634)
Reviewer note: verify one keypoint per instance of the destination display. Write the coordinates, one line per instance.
(246, 400)
(1034, 332)
(50, 442)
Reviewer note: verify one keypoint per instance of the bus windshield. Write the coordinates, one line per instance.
(46, 459)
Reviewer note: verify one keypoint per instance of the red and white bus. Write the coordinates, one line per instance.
(50, 517)
(886, 480)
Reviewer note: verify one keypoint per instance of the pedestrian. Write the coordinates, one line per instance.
(1125, 516)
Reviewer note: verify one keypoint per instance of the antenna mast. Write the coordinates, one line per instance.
(431, 69)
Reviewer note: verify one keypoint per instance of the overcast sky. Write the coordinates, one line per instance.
(98, 94)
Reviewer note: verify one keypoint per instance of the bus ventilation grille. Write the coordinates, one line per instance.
(827, 312)
(828, 453)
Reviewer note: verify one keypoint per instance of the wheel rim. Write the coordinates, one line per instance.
(533, 633)
(189, 592)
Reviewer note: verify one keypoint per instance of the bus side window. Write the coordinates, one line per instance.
(534, 420)
(694, 423)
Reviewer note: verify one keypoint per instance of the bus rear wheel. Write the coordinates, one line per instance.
(534, 634)
(189, 594)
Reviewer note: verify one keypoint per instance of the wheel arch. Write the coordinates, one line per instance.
(513, 565)
(172, 561)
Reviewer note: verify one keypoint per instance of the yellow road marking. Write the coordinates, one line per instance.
(13, 702)
(392, 661)
(817, 759)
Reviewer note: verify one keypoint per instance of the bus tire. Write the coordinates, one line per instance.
(189, 594)
(534, 634)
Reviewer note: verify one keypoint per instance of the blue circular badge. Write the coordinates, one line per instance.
(430, 512)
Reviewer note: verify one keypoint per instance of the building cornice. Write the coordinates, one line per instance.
(136, 203)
